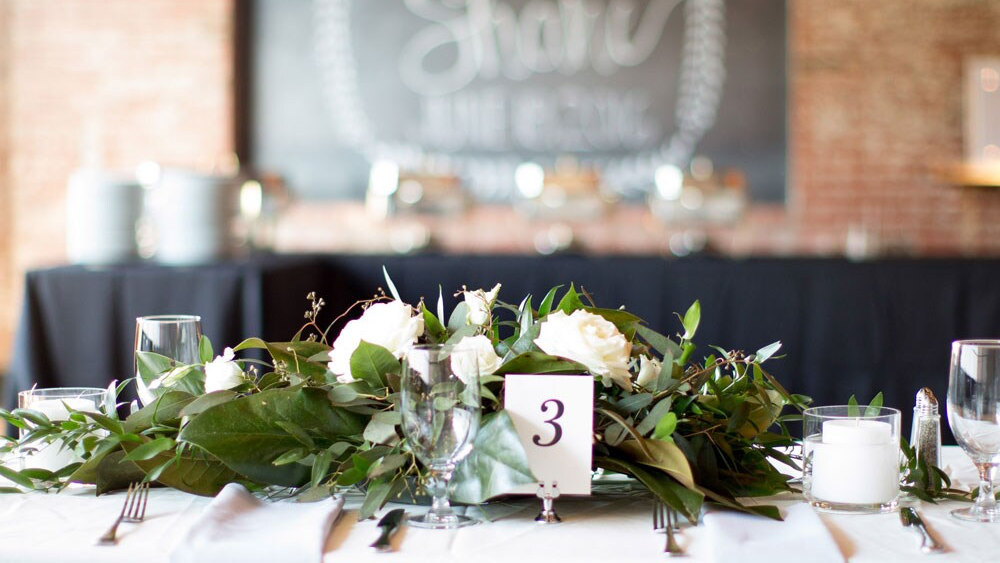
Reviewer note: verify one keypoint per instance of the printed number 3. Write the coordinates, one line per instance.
(560, 409)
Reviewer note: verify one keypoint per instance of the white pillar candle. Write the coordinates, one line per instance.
(855, 462)
(53, 456)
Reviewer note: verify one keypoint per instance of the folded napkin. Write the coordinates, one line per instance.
(752, 539)
(238, 527)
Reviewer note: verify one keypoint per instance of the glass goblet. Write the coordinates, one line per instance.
(440, 407)
(973, 410)
(173, 336)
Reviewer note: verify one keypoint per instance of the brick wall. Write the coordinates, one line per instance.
(876, 98)
(136, 79)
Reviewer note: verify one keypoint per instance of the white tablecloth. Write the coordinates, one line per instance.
(61, 528)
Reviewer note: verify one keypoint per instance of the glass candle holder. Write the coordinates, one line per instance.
(851, 459)
(53, 403)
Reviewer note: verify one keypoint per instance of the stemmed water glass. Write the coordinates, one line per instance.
(440, 408)
(973, 411)
(174, 336)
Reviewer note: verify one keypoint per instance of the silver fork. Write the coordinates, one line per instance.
(133, 510)
(664, 519)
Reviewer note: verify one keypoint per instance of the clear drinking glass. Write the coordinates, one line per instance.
(440, 407)
(851, 458)
(53, 403)
(973, 408)
(173, 336)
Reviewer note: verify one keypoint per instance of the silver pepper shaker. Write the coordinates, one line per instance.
(925, 435)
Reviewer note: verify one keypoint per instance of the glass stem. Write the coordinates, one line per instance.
(440, 506)
(986, 501)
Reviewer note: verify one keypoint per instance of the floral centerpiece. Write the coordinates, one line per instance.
(320, 413)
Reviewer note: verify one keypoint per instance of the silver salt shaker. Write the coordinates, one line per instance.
(925, 434)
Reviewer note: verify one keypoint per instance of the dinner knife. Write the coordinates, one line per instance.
(928, 543)
(389, 524)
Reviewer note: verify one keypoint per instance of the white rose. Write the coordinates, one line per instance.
(649, 371)
(588, 339)
(391, 325)
(480, 303)
(223, 373)
(485, 358)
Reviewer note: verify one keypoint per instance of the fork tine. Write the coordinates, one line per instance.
(145, 501)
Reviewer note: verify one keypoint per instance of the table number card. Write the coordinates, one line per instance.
(554, 417)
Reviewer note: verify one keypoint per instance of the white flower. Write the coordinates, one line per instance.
(485, 357)
(588, 339)
(391, 325)
(480, 303)
(223, 373)
(649, 371)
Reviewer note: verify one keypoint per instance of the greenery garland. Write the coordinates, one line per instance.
(689, 431)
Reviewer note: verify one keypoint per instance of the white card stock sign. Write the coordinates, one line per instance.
(554, 418)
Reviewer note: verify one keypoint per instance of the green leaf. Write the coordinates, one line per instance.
(387, 465)
(546, 306)
(570, 301)
(681, 498)
(165, 409)
(623, 320)
(662, 344)
(875, 405)
(150, 365)
(380, 433)
(207, 401)
(537, 362)
(341, 394)
(852, 407)
(107, 423)
(16, 477)
(291, 456)
(497, 464)
(433, 327)
(242, 433)
(191, 472)
(633, 403)
(296, 432)
(767, 352)
(205, 351)
(373, 363)
(665, 427)
(459, 317)
(321, 467)
(691, 320)
(655, 414)
(379, 492)
(150, 449)
(297, 359)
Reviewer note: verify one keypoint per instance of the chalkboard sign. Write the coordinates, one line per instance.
(479, 86)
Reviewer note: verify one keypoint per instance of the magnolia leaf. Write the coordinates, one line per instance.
(683, 499)
(390, 285)
(373, 364)
(691, 320)
(164, 410)
(190, 472)
(207, 401)
(243, 435)
(115, 473)
(662, 455)
(497, 464)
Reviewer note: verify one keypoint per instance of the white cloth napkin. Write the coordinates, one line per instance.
(754, 539)
(238, 527)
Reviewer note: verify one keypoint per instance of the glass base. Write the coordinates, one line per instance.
(849, 508)
(435, 522)
(972, 514)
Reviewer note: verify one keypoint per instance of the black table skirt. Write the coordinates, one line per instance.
(847, 328)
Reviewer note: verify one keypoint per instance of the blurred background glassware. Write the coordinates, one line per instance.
(973, 411)
(851, 458)
(192, 216)
(440, 406)
(174, 336)
(565, 192)
(53, 403)
(102, 209)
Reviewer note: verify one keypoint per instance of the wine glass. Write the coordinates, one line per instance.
(174, 336)
(440, 408)
(973, 410)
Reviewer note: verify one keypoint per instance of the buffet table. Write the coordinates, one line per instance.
(61, 528)
(846, 327)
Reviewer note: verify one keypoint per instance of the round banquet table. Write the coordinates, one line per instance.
(61, 528)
